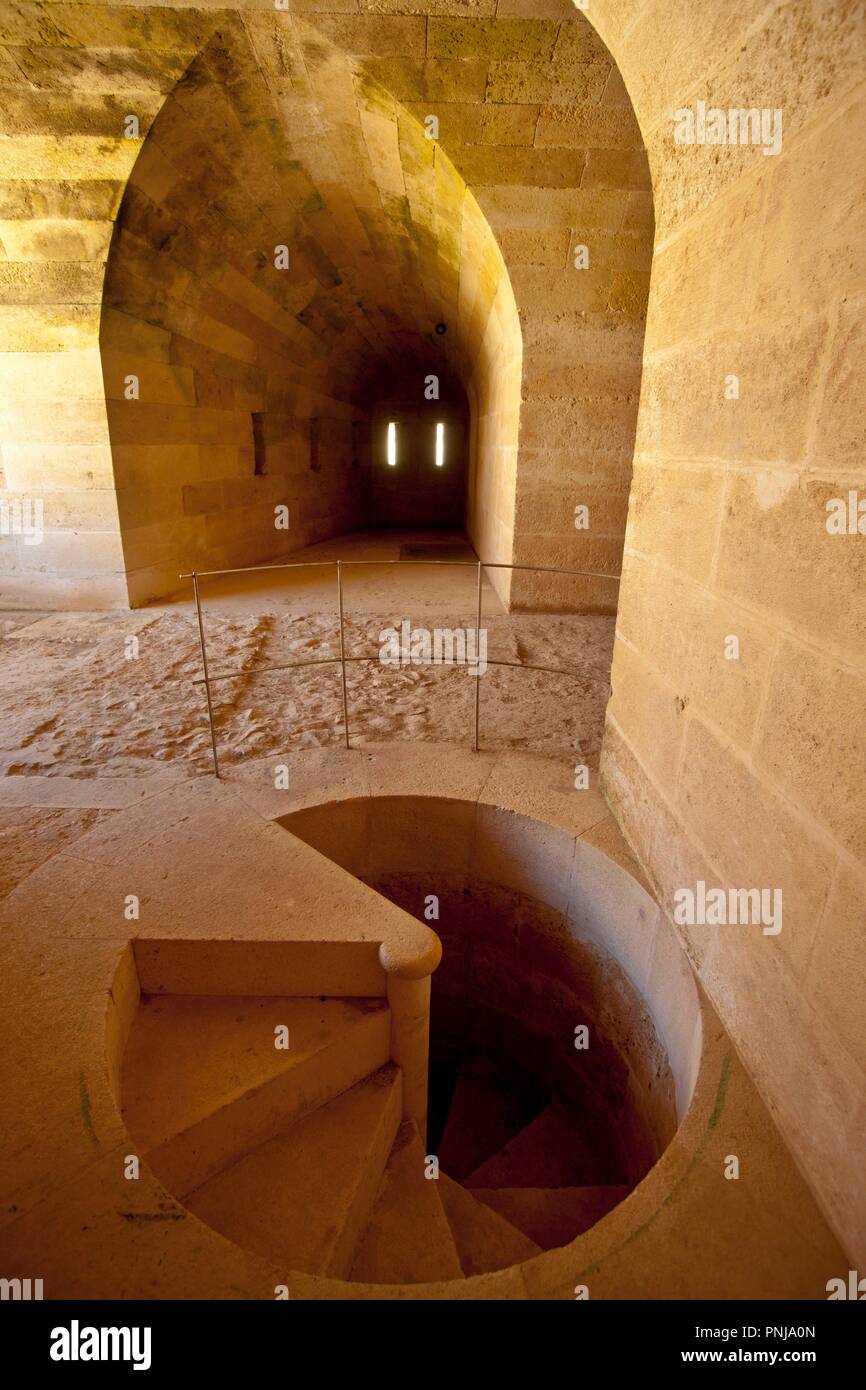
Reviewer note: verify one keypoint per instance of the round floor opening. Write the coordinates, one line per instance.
(280, 1106)
(564, 1018)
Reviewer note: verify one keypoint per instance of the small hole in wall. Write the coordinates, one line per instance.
(315, 465)
(258, 444)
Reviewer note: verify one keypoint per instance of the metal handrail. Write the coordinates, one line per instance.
(206, 679)
(332, 661)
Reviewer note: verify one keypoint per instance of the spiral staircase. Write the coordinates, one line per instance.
(303, 1152)
(317, 1153)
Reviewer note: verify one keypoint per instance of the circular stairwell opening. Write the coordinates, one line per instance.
(565, 1023)
(565, 1043)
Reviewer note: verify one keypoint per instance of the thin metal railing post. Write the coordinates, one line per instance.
(216, 766)
(477, 653)
(342, 650)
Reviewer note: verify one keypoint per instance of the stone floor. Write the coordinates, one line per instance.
(75, 705)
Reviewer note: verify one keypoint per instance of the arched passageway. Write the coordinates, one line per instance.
(274, 300)
(261, 372)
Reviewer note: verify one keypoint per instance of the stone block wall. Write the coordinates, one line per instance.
(70, 75)
(532, 110)
(747, 771)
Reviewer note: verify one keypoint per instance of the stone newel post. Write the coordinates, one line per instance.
(408, 964)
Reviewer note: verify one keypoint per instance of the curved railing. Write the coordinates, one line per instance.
(207, 680)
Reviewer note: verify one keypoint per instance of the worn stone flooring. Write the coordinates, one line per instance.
(111, 696)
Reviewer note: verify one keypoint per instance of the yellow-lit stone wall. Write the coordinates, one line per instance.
(70, 74)
(748, 771)
(241, 443)
(532, 111)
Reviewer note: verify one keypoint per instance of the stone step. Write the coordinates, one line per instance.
(304, 1198)
(484, 1114)
(485, 1240)
(551, 1151)
(552, 1216)
(203, 1082)
(409, 1239)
